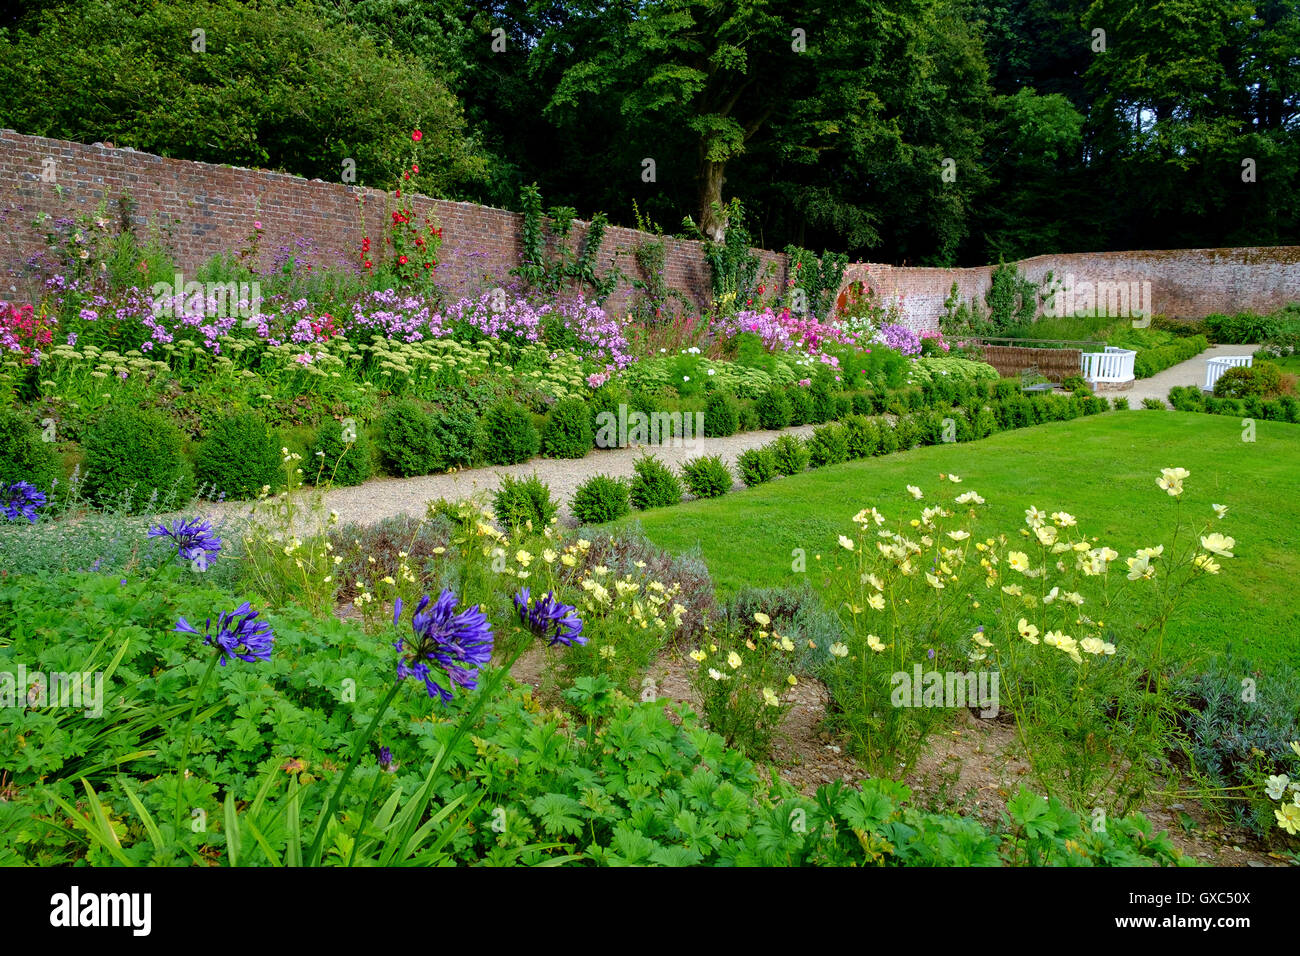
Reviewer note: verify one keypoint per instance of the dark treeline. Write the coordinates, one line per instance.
(919, 131)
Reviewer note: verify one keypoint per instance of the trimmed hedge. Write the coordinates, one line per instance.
(133, 456)
(600, 499)
(24, 456)
(240, 456)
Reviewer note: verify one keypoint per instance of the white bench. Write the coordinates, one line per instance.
(1215, 367)
(1112, 365)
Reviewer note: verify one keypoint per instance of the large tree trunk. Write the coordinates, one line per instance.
(713, 218)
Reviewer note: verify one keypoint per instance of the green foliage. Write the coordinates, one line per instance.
(707, 476)
(133, 459)
(524, 502)
(239, 457)
(23, 454)
(801, 406)
(275, 87)
(1262, 380)
(507, 435)
(567, 432)
(653, 484)
(756, 465)
(408, 443)
(1149, 361)
(789, 454)
(341, 454)
(600, 499)
(828, 445)
(721, 415)
(774, 409)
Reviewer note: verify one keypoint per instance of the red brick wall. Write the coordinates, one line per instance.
(1186, 283)
(204, 209)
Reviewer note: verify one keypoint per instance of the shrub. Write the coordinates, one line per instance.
(800, 405)
(748, 417)
(1263, 380)
(408, 443)
(1074, 383)
(863, 404)
(908, 433)
(1153, 403)
(24, 456)
(828, 445)
(567, 432)
(340, 462)
(886, 438)
(859, 436)
(821, 403)
(1149, 361)
(721, 415)
(1119, 403)
(983, 423)
(707, 476)
(774, 409)
(507, 435)
(756, 465)
(239, 456)
(653, 485)
(843, 406)
(132, 455)
(789, 454)
(519, 501)
(600, 499)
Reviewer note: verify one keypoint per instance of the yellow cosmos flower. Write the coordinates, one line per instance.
(1028, 631)
(792, 680)
(1288, 818)
(787, 644)
(770, 698)
(847, 543)
(733, 660)
(1206, 564)
(1219, 544)
(1019, 561)
(875, 643)
(698, 655)
(1220, 510)
(762, 618)
(933, 581)
(877, 602)
(839, 649)
(914, 491)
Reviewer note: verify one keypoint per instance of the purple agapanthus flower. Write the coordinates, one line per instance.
(21, 500)
(549, 619)
(458, 643)
(193, 537)
(239, 634)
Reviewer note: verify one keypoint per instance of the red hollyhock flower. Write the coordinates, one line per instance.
(399, 194)
(417, 136)
(365, 244)
(402, 259)
(415, 168)
(367, 264)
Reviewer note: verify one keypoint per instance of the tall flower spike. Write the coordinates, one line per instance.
(458, 643)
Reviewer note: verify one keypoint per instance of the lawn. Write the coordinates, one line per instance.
(1102, 469)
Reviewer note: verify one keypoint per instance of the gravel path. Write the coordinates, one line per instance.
(1191, 372)
(387, 497)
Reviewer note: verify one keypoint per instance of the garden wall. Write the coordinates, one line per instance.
(202, 209)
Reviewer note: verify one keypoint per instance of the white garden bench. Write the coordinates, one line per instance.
(1215, 367)
(1115, 365)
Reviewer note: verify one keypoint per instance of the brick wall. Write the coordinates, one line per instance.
(1184, 283)
(203, 209)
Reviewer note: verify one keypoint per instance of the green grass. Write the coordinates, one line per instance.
(1101, 469)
